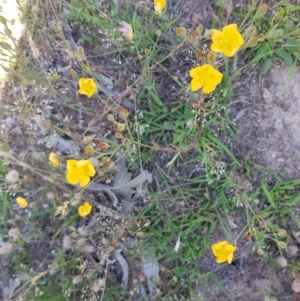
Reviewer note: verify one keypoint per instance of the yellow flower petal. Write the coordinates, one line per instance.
(87, 86)
(85, 209)
(71, 164)
(22, 202)
(221, 258)
(209, 87)
(72, 178)
(159, 5)
(53, 158)
(86, 167)
(229, 258)
(228, 41)
(84, 181)
(90, 170)
(196, 84)
(196, 72)
(230, 248)
(218, 246)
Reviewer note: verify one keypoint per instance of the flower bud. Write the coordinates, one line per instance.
(127, 31)
(282, 244)
(282, 233)
(180, 31)
(119, 135)
(111, 118)
(262, 9)
(103, 146)
(260, 252)
(120, 127)
(89, 150)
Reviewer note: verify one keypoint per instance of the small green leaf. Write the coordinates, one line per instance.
(274, 33)
(3, 20)
(267, 194)
(155, 97)
(229, 8)
(285, 56)
(252, 42)
(263, 51)
(7, 31)
(249, 32)
(168, 126)
(292, 45)
(5, 45)
(266, 66)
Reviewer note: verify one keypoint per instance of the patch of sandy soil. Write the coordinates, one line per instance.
(9, 10)
(268, 131)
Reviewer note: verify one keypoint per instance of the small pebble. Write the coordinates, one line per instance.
(88, 249)
(81, 242)
(50, 196)
(291, 250)
(14, 233)
(67, 242)
(282, 261)
(12, 176)
(99, 285)
(77, 279)
(296, 286)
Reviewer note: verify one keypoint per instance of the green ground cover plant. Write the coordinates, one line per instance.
(116, 180)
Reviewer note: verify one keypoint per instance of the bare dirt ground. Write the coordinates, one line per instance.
(268, 130)
(9, 9)
(268, 120)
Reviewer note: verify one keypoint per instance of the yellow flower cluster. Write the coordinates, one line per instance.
(228, 42)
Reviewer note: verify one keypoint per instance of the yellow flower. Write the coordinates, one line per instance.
(223, 251)
(228, 41)
(85, 209)
(127, 31)
(159, 5)
(53, 159)
(205, 76)
(22, 202)
(79, 171)
(87, 86)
